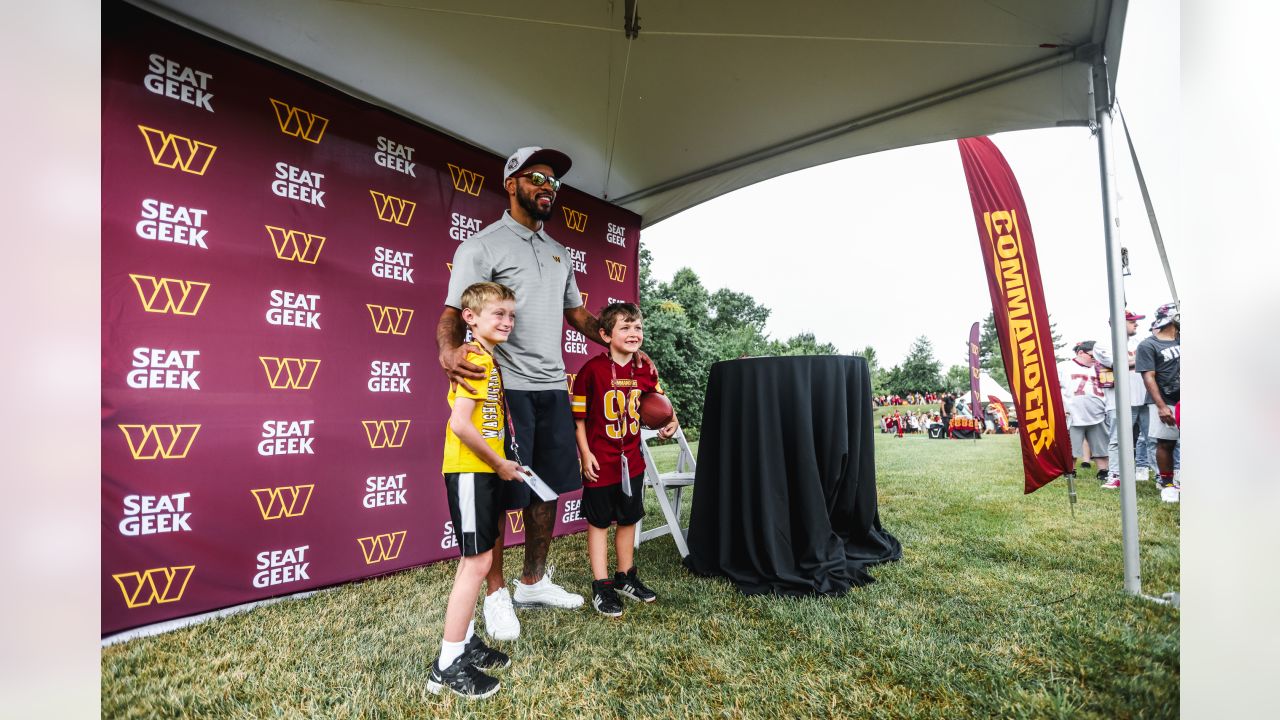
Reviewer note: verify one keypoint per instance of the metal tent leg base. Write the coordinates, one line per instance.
(1169, 598)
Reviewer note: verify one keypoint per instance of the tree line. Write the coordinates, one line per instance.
(688, 328)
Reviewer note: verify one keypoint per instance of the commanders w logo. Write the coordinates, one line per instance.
(393, 209)
(384, 434)
(157, 585)
(284, 501)
(289, 373)
(617, 271)
(298, 122)
(295, 244)
(390, 320)
(515, 518)
(175, 151)
(386, 546)
(165, 442)
(169, 295)
(574, 219)
(572, 378)
(465, 180)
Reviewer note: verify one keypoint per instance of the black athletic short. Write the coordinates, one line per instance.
(475, 506)
(603, 506)
(547, 443)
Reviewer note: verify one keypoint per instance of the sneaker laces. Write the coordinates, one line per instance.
(546, 576)
(609, 592)
(634, 579)
(501, 600)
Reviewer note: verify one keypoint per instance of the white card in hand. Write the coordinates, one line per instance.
(626, 476)
(537, 484)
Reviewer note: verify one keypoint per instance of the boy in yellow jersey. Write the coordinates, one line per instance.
(474, 468)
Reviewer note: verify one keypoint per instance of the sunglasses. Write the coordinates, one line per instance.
(539, 179)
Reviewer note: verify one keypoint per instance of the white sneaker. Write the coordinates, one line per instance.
(1169, 494)
(1140, 474)
(545, 593)
(499, 617)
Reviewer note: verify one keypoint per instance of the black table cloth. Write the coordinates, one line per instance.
(785, 499)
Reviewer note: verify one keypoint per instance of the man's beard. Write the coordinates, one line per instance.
(530, 204)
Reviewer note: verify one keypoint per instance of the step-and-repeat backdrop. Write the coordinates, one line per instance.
(275, 256)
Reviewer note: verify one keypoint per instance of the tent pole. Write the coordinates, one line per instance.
(1119, 337)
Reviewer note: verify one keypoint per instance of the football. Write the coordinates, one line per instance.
(655, 410)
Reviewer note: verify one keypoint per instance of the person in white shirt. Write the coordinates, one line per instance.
(1137, 399)
(1085, 405)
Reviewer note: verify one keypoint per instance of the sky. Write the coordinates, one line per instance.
(877, 281)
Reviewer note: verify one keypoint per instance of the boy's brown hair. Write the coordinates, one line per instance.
(613, 312)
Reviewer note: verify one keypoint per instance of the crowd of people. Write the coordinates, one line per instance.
(1088, 394)
(911, 398)
(1087, 382)
(950, 408)
(912, 422)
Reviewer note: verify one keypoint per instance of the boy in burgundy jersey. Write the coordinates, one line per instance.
(606, 408)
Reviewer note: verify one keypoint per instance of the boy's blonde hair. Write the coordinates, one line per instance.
(476, 296)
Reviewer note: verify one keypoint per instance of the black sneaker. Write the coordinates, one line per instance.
(462, 679)
(604, 599)
(479, 655)
(629, 584)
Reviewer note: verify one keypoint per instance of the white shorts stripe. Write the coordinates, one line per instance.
(467, 501)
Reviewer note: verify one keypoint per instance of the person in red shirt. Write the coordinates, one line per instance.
(606, 408)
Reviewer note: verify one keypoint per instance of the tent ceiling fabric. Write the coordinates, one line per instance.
(656, 123)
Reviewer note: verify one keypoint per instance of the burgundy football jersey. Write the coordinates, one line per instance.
(607, 396)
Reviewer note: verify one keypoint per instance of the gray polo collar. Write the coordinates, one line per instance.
(521, 231)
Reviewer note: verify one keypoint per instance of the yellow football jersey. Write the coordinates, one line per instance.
(487, 418)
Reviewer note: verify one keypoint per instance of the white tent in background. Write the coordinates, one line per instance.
(988, 387)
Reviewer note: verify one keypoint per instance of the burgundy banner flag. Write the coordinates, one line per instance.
(1022, 322)
(975, 375)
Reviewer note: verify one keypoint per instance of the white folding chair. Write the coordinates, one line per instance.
(676, 482)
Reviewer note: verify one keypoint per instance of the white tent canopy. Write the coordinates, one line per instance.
(664, 104)
(710, 95)
(988, 387)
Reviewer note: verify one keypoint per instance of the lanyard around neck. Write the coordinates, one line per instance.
(624, 469)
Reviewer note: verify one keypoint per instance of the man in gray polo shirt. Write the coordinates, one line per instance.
(516, 251)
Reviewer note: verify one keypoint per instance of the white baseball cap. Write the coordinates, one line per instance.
(534, 155)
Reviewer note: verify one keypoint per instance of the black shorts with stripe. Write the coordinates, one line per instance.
(475, 506)
(545, 434)
(605, 505)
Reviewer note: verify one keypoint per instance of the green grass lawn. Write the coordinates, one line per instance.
(1003, 605)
